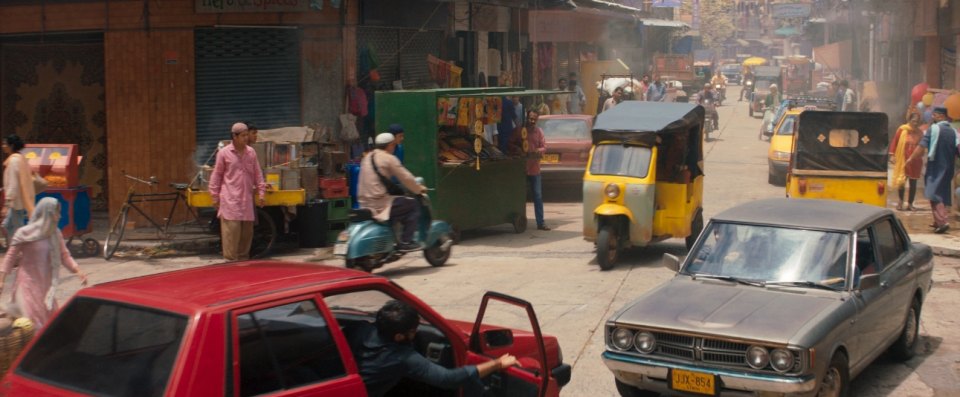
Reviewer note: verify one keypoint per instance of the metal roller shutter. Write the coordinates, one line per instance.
(245, 74)
(410, 63)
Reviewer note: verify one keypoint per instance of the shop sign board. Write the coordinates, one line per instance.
(791, 10)
(218, 6)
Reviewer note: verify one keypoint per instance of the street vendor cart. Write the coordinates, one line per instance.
(59, 166)
(475, 184)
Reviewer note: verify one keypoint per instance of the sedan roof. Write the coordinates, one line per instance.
(221, 283)
(804, 213)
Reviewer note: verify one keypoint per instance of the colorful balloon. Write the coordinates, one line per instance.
(927, 99)
(921, 107)
(916, 94)
(953, 106)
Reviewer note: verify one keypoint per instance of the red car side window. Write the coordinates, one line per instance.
(284, 347)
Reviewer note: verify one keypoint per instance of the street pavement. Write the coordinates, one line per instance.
(557, 272)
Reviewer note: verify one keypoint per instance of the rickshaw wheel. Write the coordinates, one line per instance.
(608, 247)
(264, 234)
(519, 223)
(90, 246)
(695, 228)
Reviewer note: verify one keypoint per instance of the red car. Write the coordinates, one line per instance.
(568, 146)
(252, 328)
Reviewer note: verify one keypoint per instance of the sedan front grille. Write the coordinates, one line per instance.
(709, 350)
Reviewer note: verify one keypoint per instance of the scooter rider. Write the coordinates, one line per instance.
(378, 193)
(709, 93)
(719, 79)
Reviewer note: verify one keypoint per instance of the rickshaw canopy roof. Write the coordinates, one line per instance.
(642, 121)
(825, 142)
(754, 61)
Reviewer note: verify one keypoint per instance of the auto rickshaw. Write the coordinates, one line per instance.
(644, 179)
(764, 77)
(840, 156)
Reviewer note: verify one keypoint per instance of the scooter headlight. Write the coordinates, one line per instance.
(612, 191)
(749, 82)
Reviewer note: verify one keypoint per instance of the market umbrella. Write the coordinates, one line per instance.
(754, 61)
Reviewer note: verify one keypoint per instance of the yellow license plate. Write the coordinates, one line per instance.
(550, 158)
(694, 382)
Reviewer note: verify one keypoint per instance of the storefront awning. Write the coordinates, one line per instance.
(766, 42)
(664, 23)
(743, 42)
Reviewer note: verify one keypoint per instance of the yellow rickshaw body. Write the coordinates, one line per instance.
(840, 156)
(658, 190)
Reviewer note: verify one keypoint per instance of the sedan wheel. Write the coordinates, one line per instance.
(905, 346)
(835, 381)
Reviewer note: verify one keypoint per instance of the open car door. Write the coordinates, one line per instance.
(527, 379)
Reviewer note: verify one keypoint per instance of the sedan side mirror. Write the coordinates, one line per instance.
(498, 338)
(869, 281)
(671, 262)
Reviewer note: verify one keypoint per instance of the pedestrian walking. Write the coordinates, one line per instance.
(37, 251)
(19, 194)
(939, 146)
(905, 174)
(849, 98)
(560, 102)
(235, 176)
(657, 92)
(577, 101)
(614, 99)
(529, 139)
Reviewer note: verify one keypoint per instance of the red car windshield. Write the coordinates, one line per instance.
(571, 129)
(106, 348)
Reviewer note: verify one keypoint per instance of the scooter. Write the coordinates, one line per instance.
(368, 244)
(747, 89)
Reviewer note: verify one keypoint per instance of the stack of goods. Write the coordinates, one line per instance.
(457, 149)
(15, 333)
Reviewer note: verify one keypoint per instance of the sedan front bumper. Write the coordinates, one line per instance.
(651, 374)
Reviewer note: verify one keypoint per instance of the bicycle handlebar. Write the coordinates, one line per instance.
(152, 181)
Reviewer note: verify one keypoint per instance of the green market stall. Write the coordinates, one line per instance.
(484, 189)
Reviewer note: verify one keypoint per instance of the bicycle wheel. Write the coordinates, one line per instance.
(116, 233)
(264, 234)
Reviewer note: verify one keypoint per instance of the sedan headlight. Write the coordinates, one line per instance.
(612, 191)
(622, 338)
(781, 156)
(781, 360)
(646, 342)
(757, 357)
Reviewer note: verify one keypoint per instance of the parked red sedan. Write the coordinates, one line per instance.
(568, 147)
(252, 328)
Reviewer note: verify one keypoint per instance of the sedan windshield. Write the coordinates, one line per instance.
(768, 254)
(573, 129)
(621, 160)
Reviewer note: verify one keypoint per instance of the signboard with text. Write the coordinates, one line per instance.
(217, 6)
(794, 10)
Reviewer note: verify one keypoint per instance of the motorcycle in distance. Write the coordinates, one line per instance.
(721, 93)
(368, 244)
(747, 89)
(710, 118)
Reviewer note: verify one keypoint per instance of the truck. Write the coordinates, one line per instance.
(676, 67)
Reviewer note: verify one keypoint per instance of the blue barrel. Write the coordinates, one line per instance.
(353, 175)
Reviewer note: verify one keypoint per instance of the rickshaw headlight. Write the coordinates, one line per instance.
(612, 191)
(781, 360)
(645, 342)
(782, 156)
(757, 357)
(622, 338)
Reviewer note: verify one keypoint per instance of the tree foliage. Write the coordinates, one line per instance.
(716, 21)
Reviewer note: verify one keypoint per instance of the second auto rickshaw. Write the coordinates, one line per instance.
(644, 179)
(840, 156)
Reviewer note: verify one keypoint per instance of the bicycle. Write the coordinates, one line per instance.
(133, 198)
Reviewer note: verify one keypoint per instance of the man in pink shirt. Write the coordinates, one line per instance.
(234, 177)
(533, 149)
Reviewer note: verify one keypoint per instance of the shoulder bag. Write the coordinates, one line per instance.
(392, 188)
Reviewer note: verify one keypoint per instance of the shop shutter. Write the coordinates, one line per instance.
(402, 53)
(245, 74)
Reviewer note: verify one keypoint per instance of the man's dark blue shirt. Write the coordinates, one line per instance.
(383, 364)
